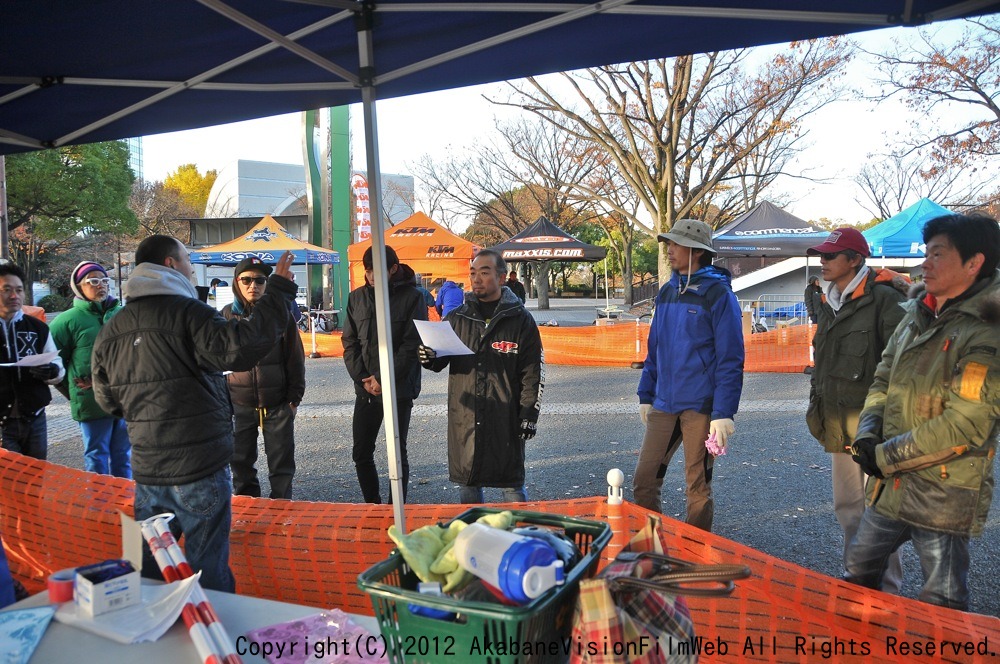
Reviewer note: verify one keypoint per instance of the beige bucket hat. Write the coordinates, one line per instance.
(690, 233)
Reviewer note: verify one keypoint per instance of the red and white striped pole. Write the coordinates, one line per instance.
(209, 635)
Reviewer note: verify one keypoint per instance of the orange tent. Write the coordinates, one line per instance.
(429, 248)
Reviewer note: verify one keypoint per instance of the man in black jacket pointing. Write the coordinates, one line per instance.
(158, 364)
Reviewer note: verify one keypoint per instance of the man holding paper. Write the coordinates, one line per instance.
(24, 384)
(360, 340)
(494, 393)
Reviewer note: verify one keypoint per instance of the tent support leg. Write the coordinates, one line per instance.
(381, 275)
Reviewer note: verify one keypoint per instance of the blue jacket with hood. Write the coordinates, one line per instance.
(695, 353)
(449, 297)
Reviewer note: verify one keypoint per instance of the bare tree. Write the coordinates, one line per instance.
(954, 82)
(679, 128)
(505, 183)
(160, 211)
(895, 181)
(432, 196)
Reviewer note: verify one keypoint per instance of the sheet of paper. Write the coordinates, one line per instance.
(33, 360)
(441, 337)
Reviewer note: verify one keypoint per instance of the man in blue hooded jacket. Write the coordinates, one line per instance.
(693, 374)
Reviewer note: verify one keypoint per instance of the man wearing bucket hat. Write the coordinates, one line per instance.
(267, 396)
(855, 318)
(106, 447)
(693, 374)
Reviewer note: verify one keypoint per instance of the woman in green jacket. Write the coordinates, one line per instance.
(106, 447)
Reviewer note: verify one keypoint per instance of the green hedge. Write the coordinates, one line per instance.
(53, 303)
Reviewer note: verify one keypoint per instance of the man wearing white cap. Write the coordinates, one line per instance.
(693, 374)
(106, 446)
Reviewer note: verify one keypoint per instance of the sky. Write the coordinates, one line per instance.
(841, 138)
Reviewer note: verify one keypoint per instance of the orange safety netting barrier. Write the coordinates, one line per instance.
(53, 517)
(784, 350)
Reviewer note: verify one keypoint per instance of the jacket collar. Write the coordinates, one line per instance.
(150, 279)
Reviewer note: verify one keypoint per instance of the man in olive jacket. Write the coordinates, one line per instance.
(857, 315)
(927, 435)
(158, 363)
(494, 395)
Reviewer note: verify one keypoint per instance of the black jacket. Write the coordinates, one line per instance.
(24, 336)
(279, 378)
(360, 337)
(158, 364)
(490, 392)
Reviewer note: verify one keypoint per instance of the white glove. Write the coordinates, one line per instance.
(644, 410)
(722, 430)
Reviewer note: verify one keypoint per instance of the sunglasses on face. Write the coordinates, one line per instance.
(98, 281)
(830, 255)
(246, 281)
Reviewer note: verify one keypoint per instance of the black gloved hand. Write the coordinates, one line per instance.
(426, 355)
(45, 371)
(528, 430)
(863, 452)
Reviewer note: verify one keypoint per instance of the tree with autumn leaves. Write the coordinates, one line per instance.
(953, 83)
(688, 135)
(64, 195)
(84, 203)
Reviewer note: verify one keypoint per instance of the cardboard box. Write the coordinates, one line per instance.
(107, 586)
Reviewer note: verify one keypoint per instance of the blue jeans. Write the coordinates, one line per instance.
(944, 558)
(203, 512)
(27, 435)
(106, 447)
(474, 494)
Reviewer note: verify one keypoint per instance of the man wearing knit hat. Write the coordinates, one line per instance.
(106, 447)
(266, 396)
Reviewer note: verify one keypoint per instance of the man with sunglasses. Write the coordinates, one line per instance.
(267, 396)
(856, 316)
(106, 446)
(158, 363)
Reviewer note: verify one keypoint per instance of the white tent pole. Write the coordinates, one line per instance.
(607, 294)
(382, 318)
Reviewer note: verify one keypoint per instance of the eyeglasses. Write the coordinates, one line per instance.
(829, 256)
(246, 281)
(98, 281)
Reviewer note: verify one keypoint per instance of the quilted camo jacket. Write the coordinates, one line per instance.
(936, 397)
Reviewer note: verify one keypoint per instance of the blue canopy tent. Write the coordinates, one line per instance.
(82, 72)
(901, 235)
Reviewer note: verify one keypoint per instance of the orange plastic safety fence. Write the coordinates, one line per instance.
(53, 517)
(327, 345)
(611, 345)
(783, 350)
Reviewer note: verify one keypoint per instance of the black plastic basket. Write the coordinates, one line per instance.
(483, 631)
